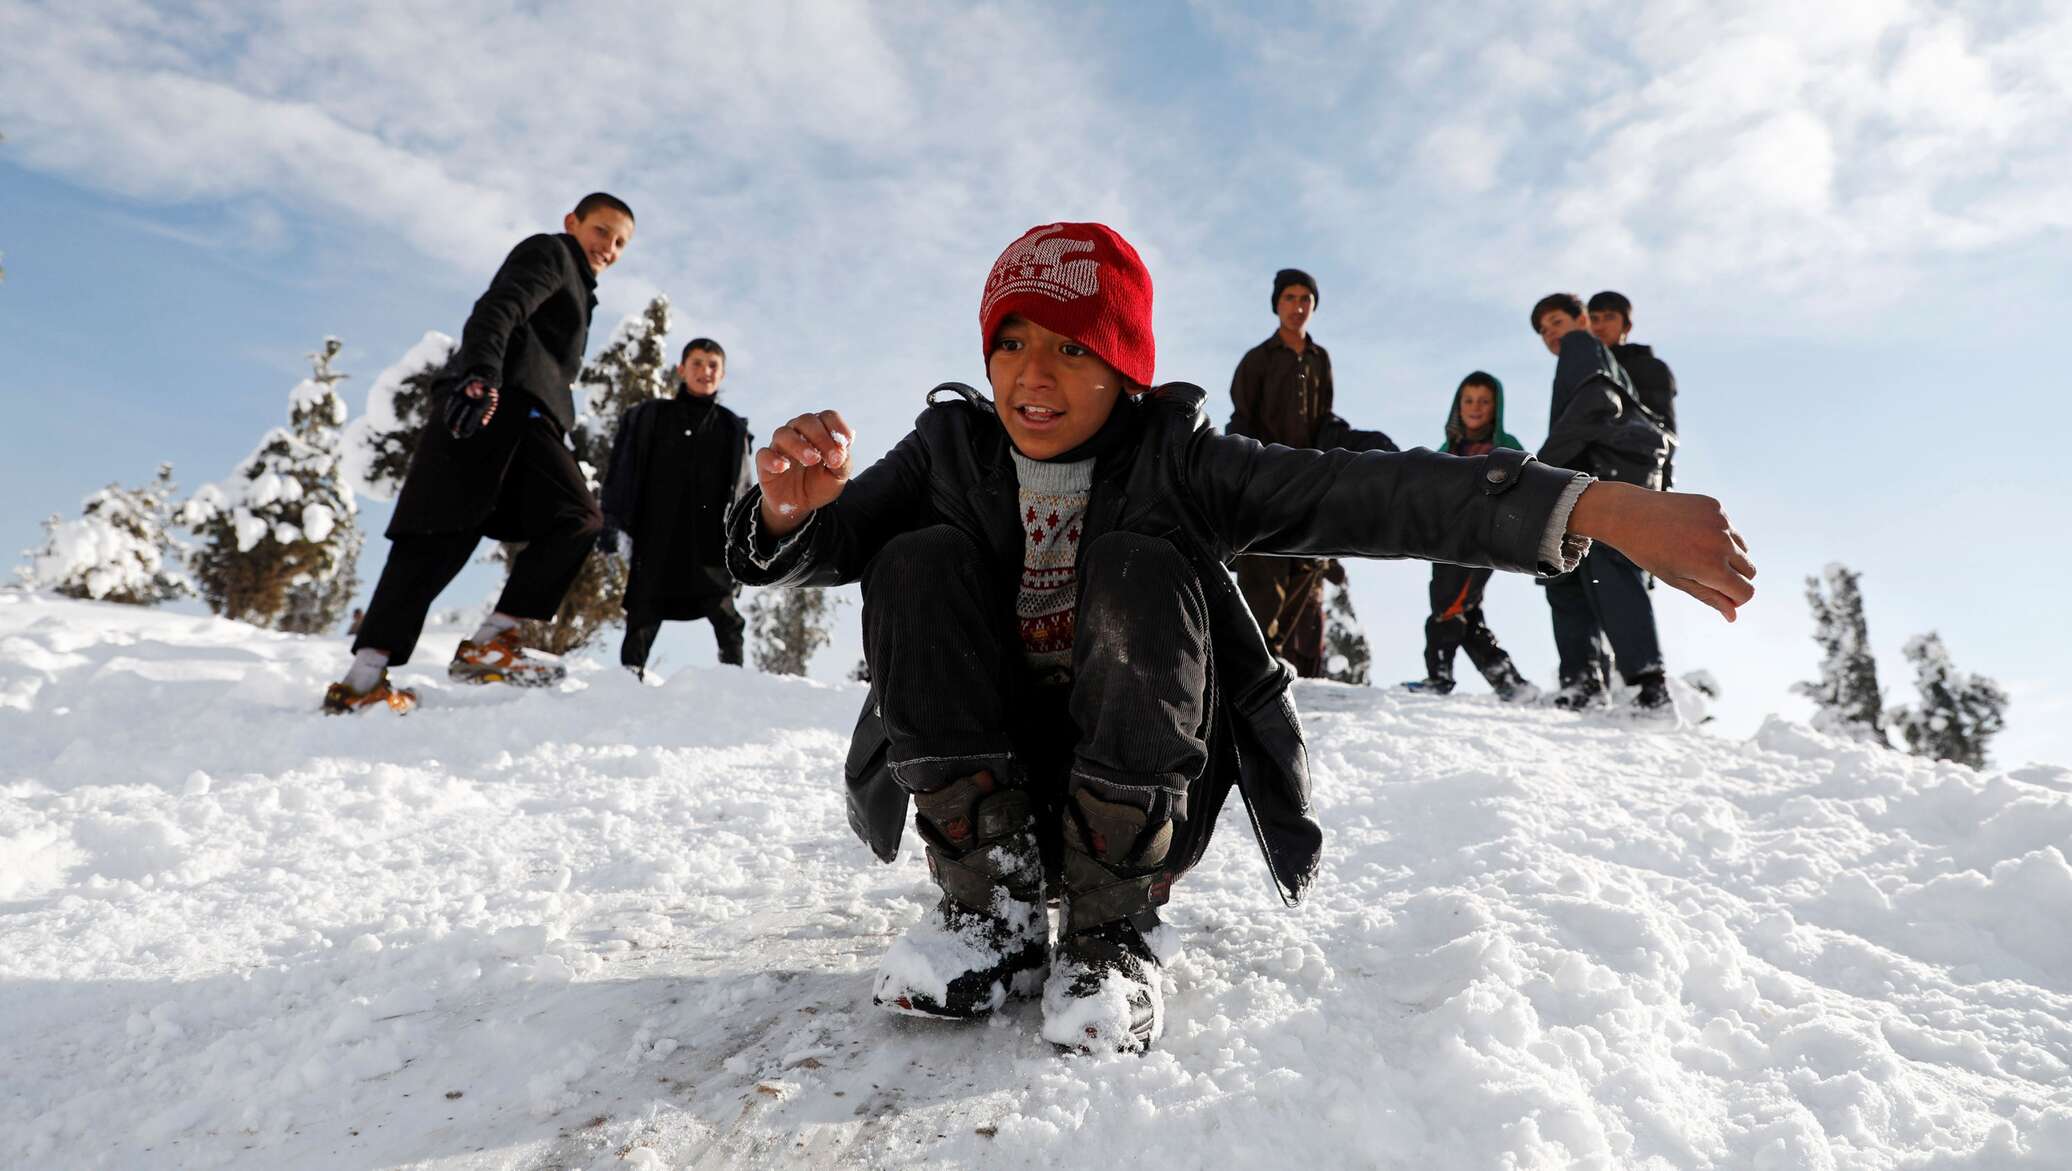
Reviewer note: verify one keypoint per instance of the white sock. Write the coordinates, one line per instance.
(366, 670)
(495, 624)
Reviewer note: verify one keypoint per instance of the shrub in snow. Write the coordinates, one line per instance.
(1846, 696)
(633, 368)
(1346, 657)
(1958, 714)
(121, 549)
(785, 627)
(279, 544)
(377, 445)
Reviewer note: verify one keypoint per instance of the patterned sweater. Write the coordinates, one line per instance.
(1053, 509)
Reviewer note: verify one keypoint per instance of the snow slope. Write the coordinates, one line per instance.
(626, 926)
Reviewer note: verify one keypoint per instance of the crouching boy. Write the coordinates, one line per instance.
(1064, 679)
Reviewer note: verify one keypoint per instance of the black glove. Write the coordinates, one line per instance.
(608, 541)
(465, 415)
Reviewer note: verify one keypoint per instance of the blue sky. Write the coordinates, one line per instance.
(1844, 226)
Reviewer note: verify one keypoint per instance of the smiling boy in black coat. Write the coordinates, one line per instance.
(494, 461)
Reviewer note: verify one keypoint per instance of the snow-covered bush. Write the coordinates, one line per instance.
(1959, 714)
(785, 627)
(1846, 696)
(121, 549)
(377, 445)
(280, 546)
(1346, 656)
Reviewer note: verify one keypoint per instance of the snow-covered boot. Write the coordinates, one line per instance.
(501, 660)
(1509, 685)
(989, 936)
(340, 700)
(1438, 678)
(1580, 693)
(1653, 700)
(1104, 991)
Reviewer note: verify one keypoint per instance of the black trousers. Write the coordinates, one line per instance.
(542, 496)
(1457, 623)
(946, 666)
(728, 627)
(1605, 599)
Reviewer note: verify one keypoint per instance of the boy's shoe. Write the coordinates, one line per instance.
(340, 700)
(501, 660)
(1512, 687)
(1430, 686)
(989, 935)
(1580, 694)
(1104, 993)
(1653, 699)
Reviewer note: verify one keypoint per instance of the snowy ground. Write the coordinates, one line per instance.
(625, 926)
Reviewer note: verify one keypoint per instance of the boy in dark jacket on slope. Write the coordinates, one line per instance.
(1064, 679)
(494, 461)
(1598, 426)
(678, 464)
(1474, 426)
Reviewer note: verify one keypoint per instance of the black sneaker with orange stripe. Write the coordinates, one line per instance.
(501, 660)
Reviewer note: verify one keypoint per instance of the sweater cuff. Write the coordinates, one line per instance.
(1560, 550)
(764, 549)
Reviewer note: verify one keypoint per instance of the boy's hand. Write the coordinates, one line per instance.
(1680, 537)
(805, 466)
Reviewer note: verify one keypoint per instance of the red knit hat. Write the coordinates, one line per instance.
(1083, 281)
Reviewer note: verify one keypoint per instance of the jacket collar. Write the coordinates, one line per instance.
(575, 252)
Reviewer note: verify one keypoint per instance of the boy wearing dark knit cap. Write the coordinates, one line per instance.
(1611, 322)
(1282, 393)
(1065, 682)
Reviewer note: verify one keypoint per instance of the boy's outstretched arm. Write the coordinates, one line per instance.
(813, 518)
(1683, 538)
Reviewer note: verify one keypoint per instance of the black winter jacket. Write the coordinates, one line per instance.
(1596, 423)
(528, 332)
(526, 337)
(653, 460)
(1213, 496)
(1655, 385)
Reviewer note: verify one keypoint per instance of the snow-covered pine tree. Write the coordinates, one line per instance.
(634, 367)
(121, 549)
(1959, 714)
(785, 627)
(1346, 657)
(1847, 698)
(279, 544)
(377, 444)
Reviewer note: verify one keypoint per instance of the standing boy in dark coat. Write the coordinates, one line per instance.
(1060, 666)
(1282, 393)
(494, 462)
(1474, 426)
(1597, 425)
(677, 465)
(1611, 322)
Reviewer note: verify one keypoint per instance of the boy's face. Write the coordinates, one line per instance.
(1556, 324)
(1294, 307)
(702, 371)
(1477, 407)
(603, 234)
(1609, 326)
(1052, 393)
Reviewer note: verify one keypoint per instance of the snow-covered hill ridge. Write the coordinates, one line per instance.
(627, 926)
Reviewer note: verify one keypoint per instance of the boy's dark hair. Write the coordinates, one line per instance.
(597, 199)
(1612, 302)
(701, 343)
(1568, 303)
(1481, 378)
